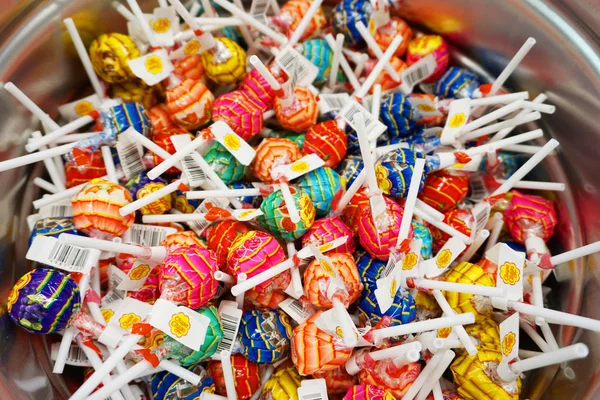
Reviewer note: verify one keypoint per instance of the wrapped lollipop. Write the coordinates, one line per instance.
(246, 376)
(189, 103)
(531, 221)
(110, 54)
(472, 274)
(272, 153)
(282, 385)
(354, 210)
(225, 63)
(80, 174)
(367, 392)
(221, 235)
(181, 239)
(265, 335)
(402, 311)
(149, 291)
(314, 350)
(254, 298)
(338, 380)
(398, 115)
(318, 52)
(256, 86)
(159, 117)
(250, 201)
(461, 220)
(326, 140)
(224, 163)
(349, 169)
(189, 67)
(135, 91)
(43, 301)
(52, 226)
(445, 189)
(456, 83)
(384, 35)
(322, 185)
(141, 186)
(345, 16)
(96, 209)
(301, 114)
(277, 218)
(326, 230)
(387, 375)
(165, 385)
(384, 78)
(163, 140)
(291, 14)
(241, 111)
(424, 45)
(394, 172)
(422, 233)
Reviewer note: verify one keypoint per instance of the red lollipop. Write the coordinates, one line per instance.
(354, 209)
(444, 190)
(163, 139)
(326, 230)
(76, 174)
(221, 235)
(461, 220)
(246, 376)
(384, 78)
(384, 35)
(326, 140)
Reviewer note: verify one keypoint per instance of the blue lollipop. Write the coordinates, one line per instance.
(265, 335)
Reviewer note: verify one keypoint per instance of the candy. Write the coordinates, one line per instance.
(338, 380)
(189, 104)
(182, 204)
(141, 186)
(96, 209)
(225, 63)
(246, 376)
(314, 350)
(468, 273)
(292, 12)
(272, 153)
(393, 379)
(110, 54)
(386, 33)
(326, 140)
(443, 190)
(79, 174)
(276, 217)
(282, 385)
(384, 78)
(369, 269)
(456, 83)
(149, 292)
(52, 227)
(181, 239)
(135, 91)
(394, 171)
(350, 168)
(241, 111)
(422, 46)
(165, 385)
(252, 201)
(254, 298)
(224, 163)
(461, 220)
(422, 233)
(189, 67)
(345, 16)
(355, 209)
(163, 140)
(256, 86)
(187, 276)
(301, 115)
(316, 280)
(326, 230)
(159, 117)
(43, 301)
(322, 186)
(317, 51)
(402, 311)
(367, 392)
(398, 115)
(265, 335)
(221, 235)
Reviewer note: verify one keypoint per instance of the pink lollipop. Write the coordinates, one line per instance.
(530, 221)
(257, 86)
(367, 392)
(187, 276)
(149, 292)
(380, 246)
(254, 252)
(241, 111)
(326, 230)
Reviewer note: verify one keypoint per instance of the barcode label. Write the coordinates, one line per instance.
(192, 171)
(69, 256)
(147, 235)
(47, 250)
(293, 78)
(481, 213)
(230, 317)
(332, 102)
(116, 276)
(307, 71)
(199, 226)
(389, 267)
(313, 389)
(478, 188)
(417, 73)
(130, 157)
(258, 10)
(76, 357)
(294, 309)
(56, 210)
(112, 297)
(373, 127)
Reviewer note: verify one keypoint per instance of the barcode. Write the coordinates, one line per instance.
(112, 296)
(198, 226)
(258, 10)
(76, 355)
(482, 213)
(146, 235)
(69, 256)
(289, 58)
(478, 188)
(294, 77)
(312, 396)
(221, 202)
(131, 161)
(57, 210)
(353, 108)
(389, 267)
(193, 172)
(334, 101)
(230, 325)
(417, 75)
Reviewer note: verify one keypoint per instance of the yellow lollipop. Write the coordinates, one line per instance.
(225, 63)
(110, 54)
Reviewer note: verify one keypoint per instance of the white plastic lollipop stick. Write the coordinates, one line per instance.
(498, 223)
(374, 47)
(54, 198)
(376, 101)
(218, 21)
(30, 105)
(157, 253)
(442, 226)
(136, 137)
(211, 194)
(267, 373)
(304, 22)
(286, 99)
(139, 15)
(209, 11)
(522, 148)
(543, 108)
(537, 339)
(575, 253)
(422, 326)
(188, 18)
(44, 184)
(423, 377)
(361, 64)
(74, 137)
(529, 353)
(437, 391)
(411, 197)
(63, 350)
(295, 288)
(494, 115)
(109, 164)
(534, 185)
(350, 192)
(144, 201)
(257, 279)
(553, 316)
(499, 99)
(348, 328)
(120, 381)
(481, 236)
(35, 157)
(228, 375)
(344, 64)
(437, 373)
(225, 278)
(335, 63)
(527, 167)
(523, 137)
(409, 351)
(426, 208)
(62, 131)
(510, 123)
(461, 287)
(51, 167)
(176, 157)
(366, 86)
(84, 57)
(280, 39)
(510, 372)
(289, 202)
(178, 217)
(460, 331)
(239, 298)
(248, 38)
(505, 132)
(124, 11)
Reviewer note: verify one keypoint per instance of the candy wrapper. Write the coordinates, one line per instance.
(387, 375)
(317, 281)
(224, 64)
(265, 335)
(326, 230)
(141, 186)
(272, 153)
(456, 83)
(302, 114)
(345, 17)
(402, 311)
(368, 392)
(472, 274)
(52, 226)
(321, 185)
(422, 233)
(110, 55)
(221, 235)
(241, 111)
(246, 376)
(276, 217)
(292, 12)
(338, 380)
(136, 91)
(224, 163)
(443, 190)
(461, 220)
(165, 385)
(80, 174)
(398, 115)
(182, 239)
(189, 104)
(282, 385)
(424, 45)
(385, 34)
(257, 87)
(394, 171)
(326, 140)
(250, 201)
(189, 67)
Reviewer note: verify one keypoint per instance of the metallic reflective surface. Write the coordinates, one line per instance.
(36, 55)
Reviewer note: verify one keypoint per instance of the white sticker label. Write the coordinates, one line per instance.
(130, 156)
(313, 389)
(194, 174)
(230, 317)
(180, 323)
(333, 102)
(246, 214)
(458, 115)
(330, 321)
(196, 45)
(425, 107)
(152, 68)
(298, 168)
(509, 338)
(137, 276)
(129, 312)
(115, 278)
(47, 250)
(147, 235)
(258, 10)
(509, 274)
(294, 309)
(379, 17)
(437, 265)
(62, 209)
(306, 252)
(417, 73)
(409, 265)
(162, 24)
(237, 146)
(373, 127)
(79, 108)
(76, 357)
(307, 71)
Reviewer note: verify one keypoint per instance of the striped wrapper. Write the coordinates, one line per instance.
(326, 140)
(394, 171)
(187, 276)
(182, 239)
(326, 230)
(369, 269)
(314, 350)
(189, 104)
(368, 392)
(272, 152)
(529, 215)
(246, 376)
(338, 380)
(386, 34)
(402, 311)
(318, 52)
(358, 205)
(471, 274)
(159, 118)
(189, 67)
(224, 64)
(346, 15)
(141, 186)
(424, 45)
(282, 385)
(221, 235)
(163, 140)
(443, 190)
(166, 386)
(302, 114)
(256, 86)
(76, 175)
(224, 163)
(399, 379)
(110, 54)
(398, 115)
(135, 91)
(241, 111)
(384, 78)
(461, 220)
(321, 185)
(265, 335)
(276, 217)
(149, 292)
(292, 12)
(456, 83)
(270, 299)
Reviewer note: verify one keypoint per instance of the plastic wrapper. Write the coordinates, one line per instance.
(444, 190)
(165, 385)
(394, 172)
(461, 220)
(385, 34)
(269, 299)
(369, 269)
(314, 350)
(318, 52)
(141, 186)
(149, 292)
(257, 87)
(471, 274)
(272, 152)
(224, 64)
(241, 111)
(428, 121)
(78, 174)
(250, 201)
(246, 376)
(43, 301)
(322, 185)
(265, 335)
(424, 45)
(368, 392)
(402, 311)
(276, 217)
(182, 239)
(302, 114)
(96, 209)
(52, 226)
(326, 230)
(387, 375)
(224, 163)
(398, 115)
(349, 169)
(423, 233)
(187, 276)
(190, 104)
(292, 12)
(110, 54)
(163, 140)
(282, 385)
(456, 83)
(189, 67)
(509, 163)
(338, 380)
(427, 306)
(354, 210)
(221, 235)
(317, 281)
(182, 204)
(326, 140)
(136, 91)
(254, 252)
(345, 17)
(159, 117)
(384, 78)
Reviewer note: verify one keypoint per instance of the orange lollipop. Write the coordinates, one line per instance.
(271, 153)
(301, 114)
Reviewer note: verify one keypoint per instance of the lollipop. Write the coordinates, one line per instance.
(322, 185)
(43, 301)
(444, 189)
(385, 34)
(165, 385)
(250, 201)
(326, 140)
(402, 311)
(224, 163)
(110, 54)
(276, 217)
(52, 226)
(163, 140)
(326, 230)
(424, 45)
(318, 52)
(469, 274)
(384, 78)
(316, 280)
(387, 375)
(345, 16)
(265, 335)
(189, 104)
(159, 117)
(272, 152)
(350, 168)
(254, 298)
(246, 376)
(398, 115)
(338, 380)
(358, 205)
(422, 233)
(135, 91)
(368, 392)
(96, 209)
(314, 350)
(189, 67)
(182, 204)
(369, 269)
(394, 171)
(456, 83)
(149, 292)
(254, 252)
(181, 239)
(282, 385)
(302, 114)
(461, 220)
(225, 63)
(241, 111)
(79, 174)
(257, 87)
(531, 221)
(221, 235)
(292, 12)
(187, 276)
(141, 186)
